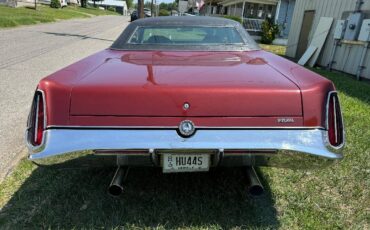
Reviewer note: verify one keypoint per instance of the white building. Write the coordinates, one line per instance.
(120, 6)
(254, 12)
(348, 53)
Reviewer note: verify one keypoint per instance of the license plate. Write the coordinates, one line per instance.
(185, 163)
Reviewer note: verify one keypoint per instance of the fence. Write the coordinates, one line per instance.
(253, 25)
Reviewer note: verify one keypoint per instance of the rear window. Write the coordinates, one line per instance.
(186, 35)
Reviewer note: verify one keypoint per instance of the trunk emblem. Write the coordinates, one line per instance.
(186, 128)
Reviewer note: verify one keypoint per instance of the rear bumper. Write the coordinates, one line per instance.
(290, 148)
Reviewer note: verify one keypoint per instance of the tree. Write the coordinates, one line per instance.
(147, 4)
(163, 6)
(55, 4)
(140, 8)
(175, 5)
(84, 3)
(94, 1)
(168, 6)
(129, 4)
(163, 12)
(269, 31)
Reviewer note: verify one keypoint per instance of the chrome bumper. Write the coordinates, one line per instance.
(291, 148)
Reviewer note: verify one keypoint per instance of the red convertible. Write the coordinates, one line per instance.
(185, 94)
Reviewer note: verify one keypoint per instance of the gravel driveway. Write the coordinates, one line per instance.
(30, 53)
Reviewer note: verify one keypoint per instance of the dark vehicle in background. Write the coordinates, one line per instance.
(189, 14)
(135, 16)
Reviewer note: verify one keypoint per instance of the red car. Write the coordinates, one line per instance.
(185, 94)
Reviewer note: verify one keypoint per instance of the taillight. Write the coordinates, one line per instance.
(36, 120)
(334, 121)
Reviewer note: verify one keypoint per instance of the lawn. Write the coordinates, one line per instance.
(336, 197)
(279, 50)
(11, 17)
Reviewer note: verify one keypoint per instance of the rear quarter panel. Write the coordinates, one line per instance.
(314, 88)
(57, 86)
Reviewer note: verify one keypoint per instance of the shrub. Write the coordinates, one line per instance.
(269, 31)
(111, 8)
(163, 12)
(238, 19)
(55, 4)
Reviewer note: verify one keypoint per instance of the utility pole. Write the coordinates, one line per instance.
(151, 8)
(140, 10)
(156, 8)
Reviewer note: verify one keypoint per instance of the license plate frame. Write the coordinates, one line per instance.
(183, 162)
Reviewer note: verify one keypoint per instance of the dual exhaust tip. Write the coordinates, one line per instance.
(115, 188)
(255, 187)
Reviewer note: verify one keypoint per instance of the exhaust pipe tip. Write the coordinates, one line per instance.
(255, 188)
(115, 188)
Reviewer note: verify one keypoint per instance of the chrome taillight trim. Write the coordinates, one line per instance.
(336, 101)
(44, 105)
(335, 119)
(35, 104)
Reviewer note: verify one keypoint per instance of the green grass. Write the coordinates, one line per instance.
(336, 197)
(279, 50)
(11, 17)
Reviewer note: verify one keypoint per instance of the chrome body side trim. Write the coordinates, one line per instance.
(63, 145)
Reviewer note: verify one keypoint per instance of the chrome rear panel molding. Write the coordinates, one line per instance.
(63, 145)
(175, 127)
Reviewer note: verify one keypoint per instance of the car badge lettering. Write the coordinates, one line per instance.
(187, 128)
(285, 120)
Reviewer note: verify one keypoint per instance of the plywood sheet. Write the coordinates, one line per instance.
(307, 55)
(319, 37)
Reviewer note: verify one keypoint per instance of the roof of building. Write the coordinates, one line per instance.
(110, 3)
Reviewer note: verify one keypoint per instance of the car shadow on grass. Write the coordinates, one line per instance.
(77, 198)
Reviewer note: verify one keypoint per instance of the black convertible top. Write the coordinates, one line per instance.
(170, 21)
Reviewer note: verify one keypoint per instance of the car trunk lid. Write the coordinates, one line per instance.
(213, 84)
